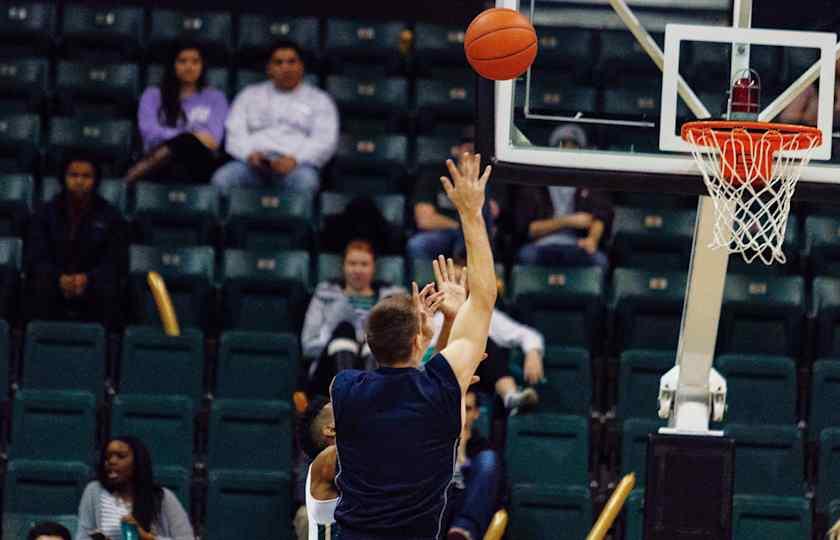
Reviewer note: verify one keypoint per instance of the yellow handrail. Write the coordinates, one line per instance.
(164, 304)
(498, 525)
(613, 508)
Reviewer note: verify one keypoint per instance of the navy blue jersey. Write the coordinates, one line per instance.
(397, 433)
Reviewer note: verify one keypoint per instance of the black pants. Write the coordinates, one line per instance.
(191, 161)
(493, 368)
(342, 352)
(97, 304)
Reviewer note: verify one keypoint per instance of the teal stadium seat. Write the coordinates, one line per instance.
(826, 306)
(791, 246)
(4, 362)
(11, 259)
(64, 356)
(154, 364)
(53, 425)
(565, 304)
(15, 203)
(452, 100)
(769, 460)
(109, 140)
(825, 395)
(248, 504)
(363, 42)
(177, 480)
(828, 469)
(265, 292)
(708, 65)
(822, 237)
(217, 77)
(438, 45)
(655, 239)
(550, 512)
(635, 433)
(634, 517)
(647, 309)
(553, 95)
(760, 518)
(27, 27)
(548, 449)
(250, 435)
(118, 30)
(390, 269)
(44, 488)
(257, 365)
(213, 30)
(391, 206)
(379, 154)
(433, 151)
(163, 423)
(23, 84)
(268, 220)
(762, 315)
(360, 96)
(568, 386)
(258, 31)
(565, 48)
(633, 98)
(621, 54)
(751, 380)
(175, 215)
(189, 276)
(20, 140)
(639, 373)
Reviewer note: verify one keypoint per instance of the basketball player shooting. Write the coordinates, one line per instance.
(397, 427)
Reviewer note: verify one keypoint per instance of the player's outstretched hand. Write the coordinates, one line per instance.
(426, 302)
(466, 184)
(454, 288)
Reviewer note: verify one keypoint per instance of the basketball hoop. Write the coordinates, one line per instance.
(751, 170)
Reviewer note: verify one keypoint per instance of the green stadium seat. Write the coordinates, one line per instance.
(365, 42)
(548, 449)
(23, 81)
(217, 77)
(178, 480)
(759, 518)
(709, 64)
(174, 215)
(834, 512)
(43, 488)
(634, 99)
(27, 27)
(189, 276)
(634, 443)
(750, 380)
(769, 460)
(828, 468)
(449, 99)
(15, 203)
(257, 365)
(550, 512)
(363, 184)
(4, 362)
(647, 309)
(383, 154)
(655, 239)
(390, 269)
(18, 526)
(391, 206)
(64, 356)
(568, 374)
(423, 273)
(822, 237)
(826, 306)
(248, 504)
(552, 95)
(825, 395)
(639, 373)
(622, 55)
(250, 435)
(163, 423)
(109, 140)
(213, 30)
(20, 139)
(363, 95)
(112, 190)
(154, 364)
(762, 315)
(567, 48)
(791, 248)
(99, 29)
(565, 304)
(258, 31)
(10, 278)
(436, 45)
(432, 152)
(265, 292)
(634, 517)
(268, 220)
(51, 425)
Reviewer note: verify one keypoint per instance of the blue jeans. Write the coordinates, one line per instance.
(428, 245)
(560, 255)
(302, 179)
(474, 506)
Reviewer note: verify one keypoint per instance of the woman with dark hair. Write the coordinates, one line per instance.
(48, 530)
(125, 492)
(75, 249)
(181, 121)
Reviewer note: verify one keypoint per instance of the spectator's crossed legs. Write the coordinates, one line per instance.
(302, 179)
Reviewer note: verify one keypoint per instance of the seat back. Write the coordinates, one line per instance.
(658, 239)
(171, 215)
(548, 449)
(825, 395)
(769, 460)
(826, 305)
(771, 517)
(250, 435)
(97, 28)
(213, 30)
(163, 423)
(266, 220)
(634, 442)
(550, 512)
(64, 356)
(828, 468)
(246, 504)
(257, 365)
(568, 385)
(41, 487)
(50, 425)
(638, 382)
(258, 31)
(390, 269)
(750, 380)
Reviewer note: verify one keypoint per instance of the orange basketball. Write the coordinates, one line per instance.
(501, 44)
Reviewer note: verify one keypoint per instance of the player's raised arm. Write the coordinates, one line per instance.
(468, 338)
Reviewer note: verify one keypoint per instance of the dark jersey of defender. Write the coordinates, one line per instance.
(397, 435)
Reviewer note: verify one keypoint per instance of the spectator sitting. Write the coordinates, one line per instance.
(561, 225)
(48, 531)
(803, 110)
(125, 492)
(438, 231)
(182, 121)
(316, 433)
(75, 250)
(282, 130)
(333, 329)
(363, 220)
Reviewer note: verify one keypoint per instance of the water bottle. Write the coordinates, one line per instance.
(129, 532)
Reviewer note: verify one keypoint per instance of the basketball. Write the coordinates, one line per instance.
(500, 44)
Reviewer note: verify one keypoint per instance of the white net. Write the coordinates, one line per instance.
(751, 175)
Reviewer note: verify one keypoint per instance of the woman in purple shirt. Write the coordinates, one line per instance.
(181, 121)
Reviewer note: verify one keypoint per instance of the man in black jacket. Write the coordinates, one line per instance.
(75, 250)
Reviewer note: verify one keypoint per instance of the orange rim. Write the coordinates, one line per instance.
(753, 130)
